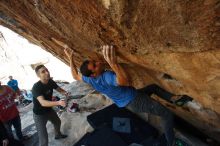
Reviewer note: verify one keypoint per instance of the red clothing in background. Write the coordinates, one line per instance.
(8, 109)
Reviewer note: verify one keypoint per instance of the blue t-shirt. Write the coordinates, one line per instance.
(13, 84)
(106, 84)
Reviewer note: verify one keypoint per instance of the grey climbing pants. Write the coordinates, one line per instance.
(144, 103)
(41, 122)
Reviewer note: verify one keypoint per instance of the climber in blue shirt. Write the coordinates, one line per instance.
(116, 85)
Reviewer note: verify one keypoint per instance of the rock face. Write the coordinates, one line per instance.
(171, 43)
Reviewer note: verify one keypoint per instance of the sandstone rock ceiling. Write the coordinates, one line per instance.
(174, 43)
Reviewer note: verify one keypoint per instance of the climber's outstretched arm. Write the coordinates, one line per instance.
(76, 75)
(110, 56)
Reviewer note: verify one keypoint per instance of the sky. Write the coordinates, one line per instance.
(16, 55)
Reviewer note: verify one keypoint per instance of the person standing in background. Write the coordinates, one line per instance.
(14, 85)
(9, 114)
